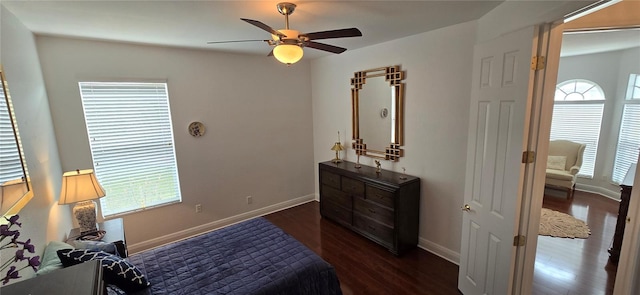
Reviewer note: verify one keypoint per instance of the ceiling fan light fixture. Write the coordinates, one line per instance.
(288, 53)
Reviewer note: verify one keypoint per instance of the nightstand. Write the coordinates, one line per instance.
(115, 235)
(83, 278)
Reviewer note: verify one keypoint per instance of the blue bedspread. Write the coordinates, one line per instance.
(252, 257)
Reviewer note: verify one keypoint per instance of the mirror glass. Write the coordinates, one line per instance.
(374, 112)
(15, 190)
(377, 97)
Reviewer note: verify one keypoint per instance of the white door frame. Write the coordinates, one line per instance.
(539, 129)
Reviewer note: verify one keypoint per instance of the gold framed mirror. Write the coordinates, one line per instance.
(15, 188)
(377, 98)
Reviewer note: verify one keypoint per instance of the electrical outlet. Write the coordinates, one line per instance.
(249, 200)
(198, 208)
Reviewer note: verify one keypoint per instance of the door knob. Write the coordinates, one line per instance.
(466, 207)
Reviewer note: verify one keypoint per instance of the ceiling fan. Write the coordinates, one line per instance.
(288, 43)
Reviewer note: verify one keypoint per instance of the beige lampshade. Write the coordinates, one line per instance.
(78, 186)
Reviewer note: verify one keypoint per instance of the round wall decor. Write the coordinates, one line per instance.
(196, 129)
(384, 112)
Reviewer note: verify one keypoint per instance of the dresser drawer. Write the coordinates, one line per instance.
(379, 231)
(382, 197)
(336, 212)
(352, 186)
(330, 179)
(373, 211)
(336, 196)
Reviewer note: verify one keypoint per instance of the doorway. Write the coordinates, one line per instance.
(600, 57)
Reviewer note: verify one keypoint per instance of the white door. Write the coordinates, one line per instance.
(500, 107)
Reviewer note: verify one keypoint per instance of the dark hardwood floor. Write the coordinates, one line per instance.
(563, 266)
(364, 267)
(578, 266)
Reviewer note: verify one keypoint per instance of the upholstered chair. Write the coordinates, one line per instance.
(563, 164)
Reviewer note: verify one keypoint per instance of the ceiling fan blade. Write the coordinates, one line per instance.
(261, 25)
(235, 41)
(325, 47)
(342, 33)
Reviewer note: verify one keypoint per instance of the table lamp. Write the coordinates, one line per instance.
(337, 147)
(82, 187)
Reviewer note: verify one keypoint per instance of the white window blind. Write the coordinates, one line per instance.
(577, 116)
(131, 139)
(579, 123)
(634, 87)
(629, 137)
(9, 156)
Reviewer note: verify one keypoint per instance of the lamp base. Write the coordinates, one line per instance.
(337, 158)
(85, 213)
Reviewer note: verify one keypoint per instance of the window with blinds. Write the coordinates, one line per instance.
(629, 136)
(9, 156)
(577, 116)
(131, 139)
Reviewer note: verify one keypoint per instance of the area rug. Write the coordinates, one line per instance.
(561, 225)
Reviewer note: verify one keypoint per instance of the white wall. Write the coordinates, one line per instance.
(438, 67)
(257, 113)
(42, 219)
(611, 71)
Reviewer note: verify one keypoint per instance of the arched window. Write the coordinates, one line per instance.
(577, 116)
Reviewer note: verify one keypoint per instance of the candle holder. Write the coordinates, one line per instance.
(404, 174)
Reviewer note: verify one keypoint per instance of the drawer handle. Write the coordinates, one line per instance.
(371, 227)
(372, 211)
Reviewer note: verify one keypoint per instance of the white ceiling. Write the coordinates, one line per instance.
(192, 23)
(579, 43)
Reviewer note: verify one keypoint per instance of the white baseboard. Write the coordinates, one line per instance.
(598, 190)
(442, 252)
(447, 254)
(190, 232)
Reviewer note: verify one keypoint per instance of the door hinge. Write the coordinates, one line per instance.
(538, 62)
(528, 156)
(519, 241)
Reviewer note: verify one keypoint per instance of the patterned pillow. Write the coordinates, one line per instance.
(114, 290)
(116, 270)
(97, 246)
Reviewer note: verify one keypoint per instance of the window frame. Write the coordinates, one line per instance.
(600, 102)
(108, 176)
(12, 168)
(632, 97)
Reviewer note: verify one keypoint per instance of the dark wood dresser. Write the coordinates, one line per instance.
(625, 196)
(380, 206)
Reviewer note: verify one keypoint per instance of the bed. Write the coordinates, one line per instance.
(252, 257)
